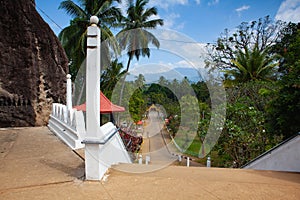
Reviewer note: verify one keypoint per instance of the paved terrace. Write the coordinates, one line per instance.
(35, 164)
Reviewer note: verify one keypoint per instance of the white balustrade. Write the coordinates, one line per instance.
(67, 125)
(103, 145)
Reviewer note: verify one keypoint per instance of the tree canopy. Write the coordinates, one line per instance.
(135, 35)
(245, 54)
(73, 37)
(285, 108)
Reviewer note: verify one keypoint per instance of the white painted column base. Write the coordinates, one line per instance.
(93, 169)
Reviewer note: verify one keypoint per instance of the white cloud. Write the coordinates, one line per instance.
(180, 26)
(180, 44)
(177, 51)
(289, 10)
(167, 3)
(240, 9)
(151, 68)
(153, 17)
(171, 22)
(123, 6)
(213, 2)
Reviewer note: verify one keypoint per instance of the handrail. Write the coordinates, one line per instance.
(102, 141)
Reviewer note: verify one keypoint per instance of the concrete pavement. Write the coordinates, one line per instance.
(158, 144)
(34, 164)
(154, 144)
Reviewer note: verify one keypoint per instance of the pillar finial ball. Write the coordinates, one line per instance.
(68, 76)
(94, 20)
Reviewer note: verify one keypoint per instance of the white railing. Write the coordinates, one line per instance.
(68, 125)
(111, 152)
(103, 146)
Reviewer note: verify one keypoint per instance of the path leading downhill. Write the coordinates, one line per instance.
(154, 143)
(158, 144)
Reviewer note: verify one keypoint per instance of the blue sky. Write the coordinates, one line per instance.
(195, 21)
(203, 20)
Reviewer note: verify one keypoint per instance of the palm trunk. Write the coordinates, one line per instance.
(123, 86)
(80, 93)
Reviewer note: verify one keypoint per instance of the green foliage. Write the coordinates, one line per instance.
(285, 107)
(134, 36)
(73, 37)
(246, 54)
(253, 64)
(137, 105)
(110, 77)
(160, 94)
(245, 134)
(189, 112)
(201, 91)
(259, 113)
(203, 121)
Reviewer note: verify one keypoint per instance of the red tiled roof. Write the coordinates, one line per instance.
(106, 106)
(139, 122)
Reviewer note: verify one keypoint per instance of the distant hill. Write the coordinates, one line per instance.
(192, 74)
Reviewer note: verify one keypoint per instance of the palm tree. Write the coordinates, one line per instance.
(110, 77)
(73, 37)
(250, 65)
(135, 37)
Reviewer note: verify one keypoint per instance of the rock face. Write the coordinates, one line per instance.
(33, 66)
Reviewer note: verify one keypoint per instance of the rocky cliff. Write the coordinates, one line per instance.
(33, 66)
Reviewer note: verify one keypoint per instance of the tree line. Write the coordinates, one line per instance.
(259, 62)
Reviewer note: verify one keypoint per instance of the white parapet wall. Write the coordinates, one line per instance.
(111, 152)
(283, 157)
(68, 125)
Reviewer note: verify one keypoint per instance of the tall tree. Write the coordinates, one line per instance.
(140, 81)
(251, 64)
(285, 108)
(73, 37)
(245, 134)
(135, 36)
(110, 77)
(247, 48)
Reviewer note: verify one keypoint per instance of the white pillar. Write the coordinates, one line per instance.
(69, 92)
(147, 160)
(93, 170)
(208, 162)
(140, 159)
(179, 158)
(188, 161)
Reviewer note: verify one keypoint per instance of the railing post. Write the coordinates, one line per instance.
(147, 160)
(208, 162)
(140, 159)
(92, 156)
(69, 92)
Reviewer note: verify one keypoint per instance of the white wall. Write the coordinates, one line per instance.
(285, 157)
